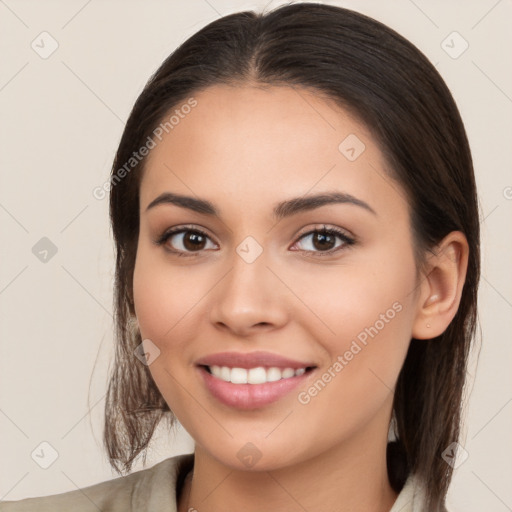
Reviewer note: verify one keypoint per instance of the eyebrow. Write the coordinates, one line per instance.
(280, 211)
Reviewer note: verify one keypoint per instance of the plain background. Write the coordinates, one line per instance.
(61, 120)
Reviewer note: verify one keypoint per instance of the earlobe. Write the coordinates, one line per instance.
(441, 289)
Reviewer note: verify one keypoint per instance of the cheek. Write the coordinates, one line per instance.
(155, 309)
(343, 302)
(368, 313)
(164, 295)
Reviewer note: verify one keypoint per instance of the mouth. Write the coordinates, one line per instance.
(254, 376)
(252, 388)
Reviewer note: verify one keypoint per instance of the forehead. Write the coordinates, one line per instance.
(258, 143)
(247, 112)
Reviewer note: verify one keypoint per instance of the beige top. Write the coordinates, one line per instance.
(154, 490)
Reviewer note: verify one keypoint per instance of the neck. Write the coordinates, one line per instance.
(349, 477)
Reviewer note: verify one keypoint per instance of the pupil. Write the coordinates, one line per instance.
(325, 240)
(193, 241)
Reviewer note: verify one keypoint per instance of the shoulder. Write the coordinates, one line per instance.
(149, 489)
(412, 497)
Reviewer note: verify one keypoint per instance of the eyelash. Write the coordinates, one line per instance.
(347, 241)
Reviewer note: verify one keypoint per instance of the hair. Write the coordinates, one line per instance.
(390, 86)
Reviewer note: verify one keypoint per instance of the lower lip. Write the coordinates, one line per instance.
(250, 396)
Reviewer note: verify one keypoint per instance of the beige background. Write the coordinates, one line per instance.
(61, 119)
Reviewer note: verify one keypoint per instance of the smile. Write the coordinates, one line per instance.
(252, 388)
(258, 375)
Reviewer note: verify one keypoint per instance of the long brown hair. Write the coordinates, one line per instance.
(397, 93)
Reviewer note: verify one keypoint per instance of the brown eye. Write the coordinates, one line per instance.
(325, 240)
(184, 240)
(193, 241)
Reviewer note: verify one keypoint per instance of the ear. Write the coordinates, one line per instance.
(441, 286)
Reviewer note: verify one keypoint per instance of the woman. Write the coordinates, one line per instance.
(295, 217)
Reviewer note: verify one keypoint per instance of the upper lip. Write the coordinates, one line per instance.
(251, 360)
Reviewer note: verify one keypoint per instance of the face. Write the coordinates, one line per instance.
(244, 285)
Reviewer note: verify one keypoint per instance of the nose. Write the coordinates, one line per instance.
(249, 299)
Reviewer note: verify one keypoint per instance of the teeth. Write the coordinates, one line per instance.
(257, 375)
(225, 373)
(273, 374)
(287, 373)
(238, 375)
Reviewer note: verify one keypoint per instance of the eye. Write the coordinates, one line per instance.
(323, 241)
(185, 240)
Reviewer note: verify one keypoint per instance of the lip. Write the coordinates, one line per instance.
(250, 396)
(251, 360)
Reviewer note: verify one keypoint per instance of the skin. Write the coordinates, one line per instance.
(245, 149)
